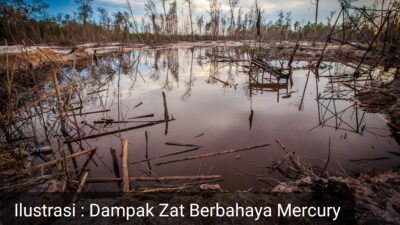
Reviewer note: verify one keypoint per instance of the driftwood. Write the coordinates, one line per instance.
(56, 161)
(125, 171)
(213, 154)
(163, 156)
(115, 131)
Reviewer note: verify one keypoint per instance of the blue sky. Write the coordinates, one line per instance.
(302, 10)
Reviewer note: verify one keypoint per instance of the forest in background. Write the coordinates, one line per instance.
(29, 23)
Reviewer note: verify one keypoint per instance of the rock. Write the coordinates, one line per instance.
(210, 187)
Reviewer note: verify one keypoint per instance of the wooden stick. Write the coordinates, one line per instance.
(54, 162)
(81, 186)
(144, 116)
(92, 112)
(147, 150)
(125, 173)
(179, 144)
(163, 156)
(150, 179)
(213, 154)
(87, 163)
(115, 131)
(139, 104)
(166, 116)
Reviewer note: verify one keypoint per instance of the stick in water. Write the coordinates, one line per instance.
(213, 154)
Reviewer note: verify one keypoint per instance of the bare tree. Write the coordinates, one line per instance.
(232, 5)
(190, 5)
(85, 11)
(150, 8)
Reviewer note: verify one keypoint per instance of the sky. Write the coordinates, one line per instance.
(302, 10)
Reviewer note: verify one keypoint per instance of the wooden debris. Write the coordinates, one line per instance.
(144, 116)
(166, 115)
(213, 154)
(115, 131)
(125, 171)
(180, 144)
(163, 156)
(56, 161)
(81, 186)
(137, 105)
(92, 112)
(369, 159)
(199, 135)
(151, 179)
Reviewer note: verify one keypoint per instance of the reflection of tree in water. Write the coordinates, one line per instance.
(190, 83)
(172, 58)
(173, 63)
(156, 75)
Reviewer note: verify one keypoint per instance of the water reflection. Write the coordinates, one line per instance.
(219, 101)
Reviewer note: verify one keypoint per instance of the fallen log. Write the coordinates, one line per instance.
(213, 154)
(115, 131)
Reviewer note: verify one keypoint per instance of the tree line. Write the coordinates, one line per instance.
(29, 22)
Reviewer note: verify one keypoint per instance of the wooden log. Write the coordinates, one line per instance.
(54, 162)
(125, 171)
(151, 179)
(115, 131)
(213, 154)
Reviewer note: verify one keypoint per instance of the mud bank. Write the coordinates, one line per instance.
(18, 57)
(384, 99)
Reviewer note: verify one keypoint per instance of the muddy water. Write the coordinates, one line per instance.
(225, 113)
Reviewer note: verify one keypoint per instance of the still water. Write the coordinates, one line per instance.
(217, 106)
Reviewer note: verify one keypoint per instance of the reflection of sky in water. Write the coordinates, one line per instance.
(222, 114)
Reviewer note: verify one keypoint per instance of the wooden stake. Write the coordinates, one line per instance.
(125, 173)
(166, 117)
